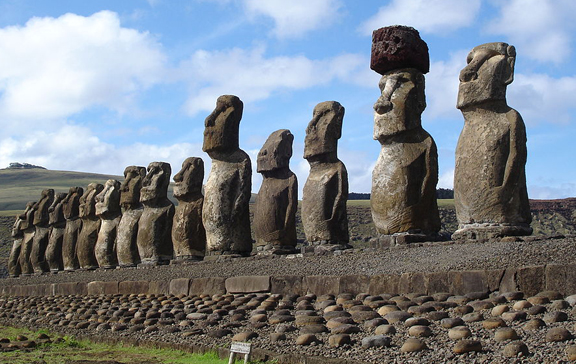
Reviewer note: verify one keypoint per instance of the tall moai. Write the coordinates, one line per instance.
(325, 193)
(71, 208)
(490, 192)
(126, 241)
(57, 223)
(188, 234)
(155, 225)
(90, 226)
(403, 196)
(108, 210)
(42, 234)
(277, 200)
(14, 269)
(29, 229)
(226, 214)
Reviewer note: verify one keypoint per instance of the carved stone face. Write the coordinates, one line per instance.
(55, 210)
(490, 69)
(72, 202)
(41, 215)
(324, 129)
(401, 104)
(88, 200)
(130, 188)
(189, 179)
(108, 201)
(221, 126)
(155, 184)
(276, 152)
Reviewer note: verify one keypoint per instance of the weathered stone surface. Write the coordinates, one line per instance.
(354, 284)
(57, 223)
(248, 284)
(225, 212)
(561, 278)
(285, 285)
(515, 349)
(126, 240)
(385, 283)
(490, 193)
(70, 288)
(99, 287)
(558, 334)
(27, 226)
(42, 234)
(403, 198)
(155, 224)
(376, 341)
(14, 269)
(134, 287)
(466, 346)
(159, 287)
(468, 281)
(108, 210)
(531, 280)
(90, 227)
(412, 345)
(210, 286)
(325, 193)
(396, 47)
(277, 200)
(320, 285)
(179, 286)
(188, 234)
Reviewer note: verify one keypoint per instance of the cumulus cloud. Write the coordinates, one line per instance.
(543, 29)
(442, 86)
(52, 68)
(430, 16)
(252, 76)
(294, 18)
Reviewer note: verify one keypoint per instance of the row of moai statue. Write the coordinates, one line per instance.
(135, 223)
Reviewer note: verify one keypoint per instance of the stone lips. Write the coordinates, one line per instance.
(397, 47)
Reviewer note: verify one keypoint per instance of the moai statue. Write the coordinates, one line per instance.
(277, 200)
(108, 210)
(29, 229)
(227, 193)
(325, 193)
(489, 179)
(126, 246)
(403, 197)
(71, 208)
(14, 269)
(155, 225)
(90, 226)
(57, 223)
(188, 235)
(42, 234)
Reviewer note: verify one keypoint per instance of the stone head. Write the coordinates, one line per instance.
(130, 188)
(401, 103)
(55, 210)
(489, 70)
(276, 152)
(324, 130)
(221, 130)
(27, 217)
(189, 179)
(155, 184)
(71, 203)
(108, 200)
(87, 206)
(41, 215)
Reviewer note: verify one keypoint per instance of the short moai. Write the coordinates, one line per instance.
(226, 214)
(490, 192)
(71, 208)
(155, 225)
(325, 192)
(14, 269)
(57, 223)
(29, 229)
(403, 196)
(277, 200)
(42, 234)
(126, 241)
(108, 210)
(188, 234)
(90, 227)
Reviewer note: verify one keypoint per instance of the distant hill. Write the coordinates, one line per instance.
(16, 165)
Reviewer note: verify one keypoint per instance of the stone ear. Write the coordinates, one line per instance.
(511, 60)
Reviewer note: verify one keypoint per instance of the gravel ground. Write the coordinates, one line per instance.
(426, 257)
(197, 320)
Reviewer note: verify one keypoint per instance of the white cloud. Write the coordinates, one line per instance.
(542, 98)
(52, 68)
(252, 77)
(430, 16)
(543, 29)
(442, 86)
(295, 17)
(446, 179)
(563, 190)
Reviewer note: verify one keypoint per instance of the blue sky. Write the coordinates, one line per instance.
(98, 85)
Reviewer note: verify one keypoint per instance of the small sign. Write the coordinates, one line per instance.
(240, 348)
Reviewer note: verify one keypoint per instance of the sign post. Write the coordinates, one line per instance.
(240, 348)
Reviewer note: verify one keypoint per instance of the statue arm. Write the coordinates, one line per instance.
(518, 153)
(341, 197)
(293, 201)
(243, 190)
